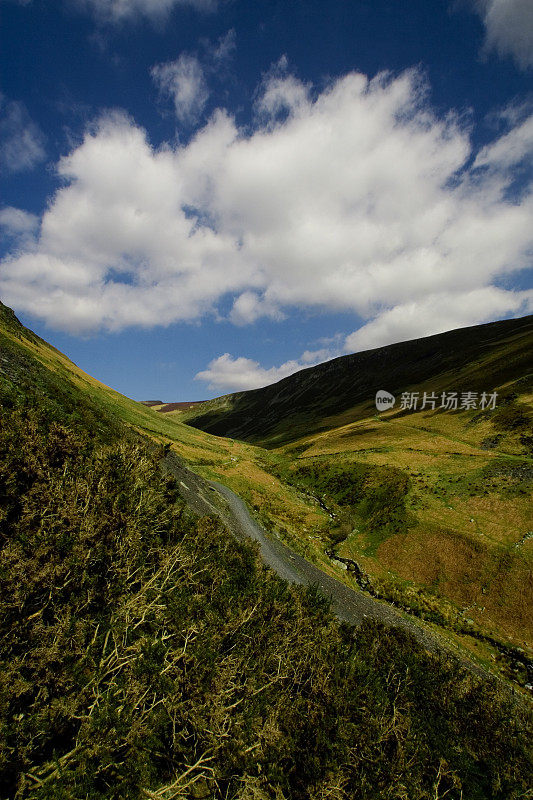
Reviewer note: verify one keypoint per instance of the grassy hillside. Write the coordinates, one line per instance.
(146, 654)
(439, 509)
(35, 374)
(434, 506)
(469, 359)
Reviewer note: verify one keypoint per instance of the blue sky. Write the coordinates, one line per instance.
(202, 196)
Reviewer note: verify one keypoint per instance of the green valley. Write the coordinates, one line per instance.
(147, 653)
(434, 505)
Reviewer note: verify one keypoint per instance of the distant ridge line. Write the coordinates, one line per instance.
(177, 406)
(476, 358)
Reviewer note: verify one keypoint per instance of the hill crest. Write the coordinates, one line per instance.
(477, 358)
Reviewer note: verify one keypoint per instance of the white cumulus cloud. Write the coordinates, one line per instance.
(17, 222)
(249, 307)
(509, 28)
(513, 147)
(356, 199)
(281, 92)
(184, 81)
(434, 314)
(438, 313)
(18, 227)
(21, 139)
(227, 373)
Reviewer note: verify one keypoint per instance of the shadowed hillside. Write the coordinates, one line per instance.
(429, 508)
(34, 373)
(468, 359)
(144, 653)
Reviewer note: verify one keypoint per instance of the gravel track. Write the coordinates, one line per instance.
(349, 605)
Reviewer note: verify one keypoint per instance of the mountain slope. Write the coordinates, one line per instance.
(430, 508)
(34, 373)
(478, 359)
(144, 653)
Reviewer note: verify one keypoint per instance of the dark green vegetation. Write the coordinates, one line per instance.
(33, 373)
(469, 359)
(375, 496)
(24, 380)
(147, 654)
(431, 507)
(507, 477)
(144, 653)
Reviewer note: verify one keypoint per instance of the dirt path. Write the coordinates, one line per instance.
(349, 605)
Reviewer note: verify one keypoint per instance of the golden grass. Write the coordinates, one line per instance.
(499, 519)
(443, 549)
(474, 564)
